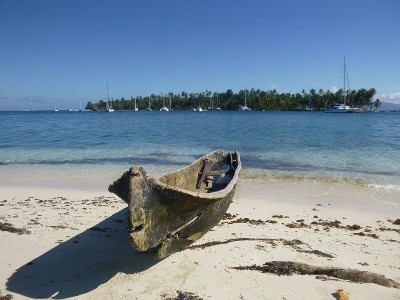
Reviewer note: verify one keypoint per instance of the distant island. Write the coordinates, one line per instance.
(255, 99)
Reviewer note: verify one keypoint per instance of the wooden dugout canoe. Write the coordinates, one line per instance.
(168, 213)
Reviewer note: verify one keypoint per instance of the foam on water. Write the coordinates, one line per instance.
(386, 187)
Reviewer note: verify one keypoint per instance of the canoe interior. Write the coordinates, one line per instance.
(187, 177)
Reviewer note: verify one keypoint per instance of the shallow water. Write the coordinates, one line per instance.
(361, 148)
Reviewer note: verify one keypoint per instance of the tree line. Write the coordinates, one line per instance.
(255, 99)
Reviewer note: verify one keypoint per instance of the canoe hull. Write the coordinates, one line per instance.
(168, 213)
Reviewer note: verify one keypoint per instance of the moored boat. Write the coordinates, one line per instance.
(109, 107)
(168, 213)
(342, 107)
(164, 108)
(244, 108)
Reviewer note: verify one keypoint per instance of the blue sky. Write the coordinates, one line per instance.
(55, 52)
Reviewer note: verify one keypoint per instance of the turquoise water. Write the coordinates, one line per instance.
(361, 148)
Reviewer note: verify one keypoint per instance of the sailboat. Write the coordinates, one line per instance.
(244, 108)
(149, 108)
(164, 108)
(342, 107)
(108, 104)
(217, 107)
(136, 109)
(309, 106)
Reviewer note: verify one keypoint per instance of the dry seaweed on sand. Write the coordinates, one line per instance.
(6, 297)
(290, 268)
(185, 296)
(295, 244)
(232, 219)
(229, 216)
(247, 220)
(10, 228)
(396, 222)
(214, 243)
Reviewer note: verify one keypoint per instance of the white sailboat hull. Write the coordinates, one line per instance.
(244, 108)
(341, 108)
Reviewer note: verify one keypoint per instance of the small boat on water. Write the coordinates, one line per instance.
(168, 213)
(342, 107)
(164, 108)
(109, 107)
(244, 108)
(309, 107)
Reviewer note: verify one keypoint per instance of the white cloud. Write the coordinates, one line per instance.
(334, 89)
(391, 97)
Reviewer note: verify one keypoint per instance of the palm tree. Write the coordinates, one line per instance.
(377, 104)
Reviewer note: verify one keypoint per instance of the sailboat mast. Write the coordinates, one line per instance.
(344, 73)
(344, 79)
(108, 94)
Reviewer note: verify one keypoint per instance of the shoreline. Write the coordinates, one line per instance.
(78, 245)
(97, 177)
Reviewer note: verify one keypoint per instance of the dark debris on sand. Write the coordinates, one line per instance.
(289, 268)
(326, 225)
(185, 296)
(248, 221)
(10, 228)
(229, 216)
(6, 297)
(232, 219)
(295, 244)
(396, 222)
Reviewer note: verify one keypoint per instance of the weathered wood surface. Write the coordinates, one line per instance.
(168, 213)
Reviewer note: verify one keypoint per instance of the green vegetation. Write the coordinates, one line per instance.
(256, 100)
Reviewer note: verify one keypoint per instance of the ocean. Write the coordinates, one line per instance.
(357, 148)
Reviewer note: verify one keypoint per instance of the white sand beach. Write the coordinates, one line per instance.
(64, 241)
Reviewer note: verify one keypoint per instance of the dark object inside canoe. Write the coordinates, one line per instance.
(168, 213)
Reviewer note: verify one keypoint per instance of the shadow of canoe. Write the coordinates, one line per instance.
(82, 263)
